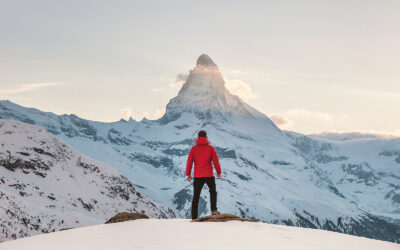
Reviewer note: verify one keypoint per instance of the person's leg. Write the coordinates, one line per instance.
(213, 193)
(197, 186)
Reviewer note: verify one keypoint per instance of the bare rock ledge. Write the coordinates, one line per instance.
(126, 216)
(221, 218)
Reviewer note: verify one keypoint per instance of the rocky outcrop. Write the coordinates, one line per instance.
(126, 216)
(221, 218)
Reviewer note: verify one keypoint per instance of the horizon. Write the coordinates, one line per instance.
(310, 67)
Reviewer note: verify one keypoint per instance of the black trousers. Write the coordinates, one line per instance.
(198, 184)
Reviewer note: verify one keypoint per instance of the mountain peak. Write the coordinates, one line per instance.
(204, 94)
(205, 60)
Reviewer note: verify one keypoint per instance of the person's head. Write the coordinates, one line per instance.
(202, 133)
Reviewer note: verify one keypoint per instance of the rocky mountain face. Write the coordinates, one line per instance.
(349, 186)
(46, 186)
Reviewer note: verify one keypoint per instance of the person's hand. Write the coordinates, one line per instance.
(219, 176)
(188, 178)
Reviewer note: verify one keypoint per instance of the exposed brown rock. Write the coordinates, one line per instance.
(221, 218)
(126, 216)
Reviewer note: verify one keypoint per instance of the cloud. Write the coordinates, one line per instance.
(145, 114)
(324, 125)
(235, 86)
(126, 113)
(241, 89)
(302, 117)
(281, 121)
(386, 133)
(303, 113)
(157, 89)
(178, 81)
(28, 87)
(158, 113)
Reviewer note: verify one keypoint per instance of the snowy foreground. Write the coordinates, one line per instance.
(184, 234)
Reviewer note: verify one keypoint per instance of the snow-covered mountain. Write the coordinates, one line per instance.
(45, 185)
(183, 234)
(268, 174)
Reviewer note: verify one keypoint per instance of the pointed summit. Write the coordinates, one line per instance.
(205, 60)
(205, 96)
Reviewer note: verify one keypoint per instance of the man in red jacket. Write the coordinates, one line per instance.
(203, 154)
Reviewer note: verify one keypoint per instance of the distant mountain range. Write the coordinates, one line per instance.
(350, 186)
(350, 136)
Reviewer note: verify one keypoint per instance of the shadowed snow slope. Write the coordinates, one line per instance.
(183, 234)
(45, 185)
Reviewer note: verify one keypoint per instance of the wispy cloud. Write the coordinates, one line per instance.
(388, 132)
(126, 113)
(303, 119)
(281, 121)
(28, 87)
(178, 81)
(301, 116)
(240, 88)
(303, 113)
(158, 113)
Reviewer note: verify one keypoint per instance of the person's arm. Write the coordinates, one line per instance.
(189, 164)
(215, 160)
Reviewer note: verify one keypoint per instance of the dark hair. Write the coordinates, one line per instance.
(202, 133)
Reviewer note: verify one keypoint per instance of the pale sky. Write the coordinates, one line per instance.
(313, 66)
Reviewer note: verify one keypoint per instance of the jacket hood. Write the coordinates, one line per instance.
(201, 141)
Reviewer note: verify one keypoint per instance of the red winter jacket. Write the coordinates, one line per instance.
(202, 154)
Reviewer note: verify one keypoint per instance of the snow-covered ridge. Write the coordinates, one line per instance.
(183, 234)
(45, 185)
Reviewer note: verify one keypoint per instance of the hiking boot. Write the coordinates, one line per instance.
(215, 212)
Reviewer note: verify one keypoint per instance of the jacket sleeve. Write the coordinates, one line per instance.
(215, 160)
(190, 162)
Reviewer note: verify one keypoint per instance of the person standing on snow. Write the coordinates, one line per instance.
(203, 154)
